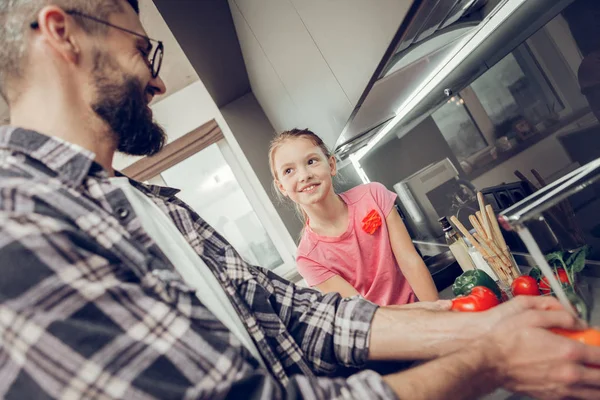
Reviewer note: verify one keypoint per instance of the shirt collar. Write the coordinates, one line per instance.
(71, 163)
(155, 190)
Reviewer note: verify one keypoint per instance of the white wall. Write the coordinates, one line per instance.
(309, 60)
(254, 132)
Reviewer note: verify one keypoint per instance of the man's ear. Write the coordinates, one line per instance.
(58, 29)
(333, 165)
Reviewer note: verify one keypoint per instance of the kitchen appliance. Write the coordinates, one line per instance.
(433, 192)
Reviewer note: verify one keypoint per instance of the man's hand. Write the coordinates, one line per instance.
(530, 359)
(519, 305)
(518, 352)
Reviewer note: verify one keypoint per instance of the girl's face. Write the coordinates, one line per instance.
(303, 171)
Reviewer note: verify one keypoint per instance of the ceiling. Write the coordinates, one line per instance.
(177, 72)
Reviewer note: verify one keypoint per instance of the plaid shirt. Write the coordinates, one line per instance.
(91, 308)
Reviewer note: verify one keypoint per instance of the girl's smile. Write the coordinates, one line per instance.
(310, 188)
(303, 171)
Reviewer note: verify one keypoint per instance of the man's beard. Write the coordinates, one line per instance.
(121, 103)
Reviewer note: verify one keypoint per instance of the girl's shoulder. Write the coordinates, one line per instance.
(372, 190)
(306, 244)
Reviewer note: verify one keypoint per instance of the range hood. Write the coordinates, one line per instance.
(440, 48)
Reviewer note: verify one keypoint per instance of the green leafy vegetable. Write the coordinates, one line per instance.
(535, 273)
(576, 261)
(555, 259)
(572, 262)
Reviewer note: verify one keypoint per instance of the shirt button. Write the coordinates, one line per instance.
(122, 212)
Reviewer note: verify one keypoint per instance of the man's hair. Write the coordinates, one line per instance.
(17, 15)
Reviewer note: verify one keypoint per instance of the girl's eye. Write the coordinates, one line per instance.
(312, 161)
(287, 171)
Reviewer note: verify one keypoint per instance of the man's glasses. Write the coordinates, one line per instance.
(154, 62)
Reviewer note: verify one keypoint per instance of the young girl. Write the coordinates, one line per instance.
(354, 242)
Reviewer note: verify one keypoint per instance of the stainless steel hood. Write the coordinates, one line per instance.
(440, 48)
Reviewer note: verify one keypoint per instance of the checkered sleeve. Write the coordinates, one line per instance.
(69, 328)
(59, 328)
(330, 330)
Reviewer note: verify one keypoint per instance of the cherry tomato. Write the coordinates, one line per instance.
(525, 286)
(480, 299)
(562, 278)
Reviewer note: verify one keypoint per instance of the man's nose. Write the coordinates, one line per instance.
(158, 85)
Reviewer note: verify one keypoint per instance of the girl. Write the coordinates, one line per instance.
(355, 242)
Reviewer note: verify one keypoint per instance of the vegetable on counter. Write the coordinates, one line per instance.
(566, 266)
(525, 286)
(562, 277)
(480, 299)
(588, 336)
(472, 278)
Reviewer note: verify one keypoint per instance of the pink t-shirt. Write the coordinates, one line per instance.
(364, 260)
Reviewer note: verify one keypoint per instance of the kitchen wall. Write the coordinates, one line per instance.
(309, 60)
(253, 131)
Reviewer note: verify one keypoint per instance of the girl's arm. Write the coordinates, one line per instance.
(411, 264)
(337, 284)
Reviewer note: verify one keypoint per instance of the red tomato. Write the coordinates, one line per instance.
(525, 286)
(480, 299)
(562, 278)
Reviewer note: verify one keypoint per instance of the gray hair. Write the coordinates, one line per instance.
(16, 17)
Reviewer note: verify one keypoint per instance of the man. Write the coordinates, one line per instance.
(91, 304)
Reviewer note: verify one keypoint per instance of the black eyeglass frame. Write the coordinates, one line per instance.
(158, 51)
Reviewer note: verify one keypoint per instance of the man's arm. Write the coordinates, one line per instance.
(74, 322)
(463, 375)
(417, 334)
(520, 355)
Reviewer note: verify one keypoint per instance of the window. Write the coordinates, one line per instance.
(210, 187)
(203, 166)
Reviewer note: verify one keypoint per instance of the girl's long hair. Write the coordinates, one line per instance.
(278, 141)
